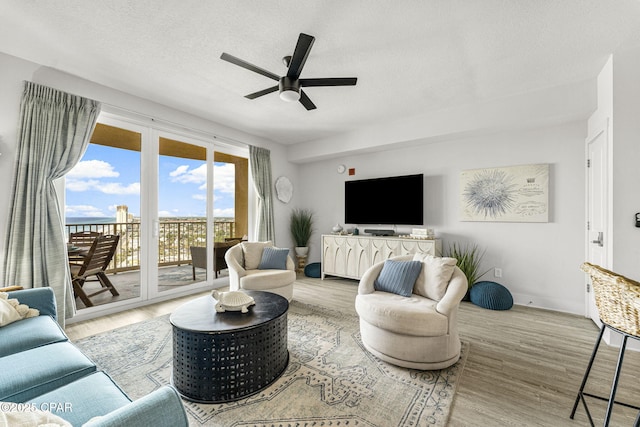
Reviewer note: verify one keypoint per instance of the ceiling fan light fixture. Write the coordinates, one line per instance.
(290, 95)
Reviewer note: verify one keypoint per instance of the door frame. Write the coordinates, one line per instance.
(601, 130)
(150, 129)
(153, 194)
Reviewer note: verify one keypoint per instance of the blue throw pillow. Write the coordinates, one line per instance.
(274, 259)
(398, 277)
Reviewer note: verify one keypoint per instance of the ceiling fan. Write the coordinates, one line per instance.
(290, 85)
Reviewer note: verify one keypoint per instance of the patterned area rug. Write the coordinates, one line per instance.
(331, 379)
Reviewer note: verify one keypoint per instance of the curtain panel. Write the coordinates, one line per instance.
(260, 159)
(53, 133)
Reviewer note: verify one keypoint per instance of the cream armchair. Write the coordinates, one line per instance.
(417, 331)
(243, 261)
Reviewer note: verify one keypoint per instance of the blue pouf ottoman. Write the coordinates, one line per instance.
(312, 270)
(491, 295)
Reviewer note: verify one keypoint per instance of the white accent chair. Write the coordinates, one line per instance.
(243, 260)
(414, 332)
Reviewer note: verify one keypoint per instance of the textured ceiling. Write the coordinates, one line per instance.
(411, 57)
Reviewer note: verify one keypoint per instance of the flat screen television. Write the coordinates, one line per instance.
(396, 200)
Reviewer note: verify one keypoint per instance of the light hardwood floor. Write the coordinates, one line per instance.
(523, 369)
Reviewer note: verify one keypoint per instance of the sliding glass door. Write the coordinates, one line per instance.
(176, 200)
(184, 209)
(103, 197)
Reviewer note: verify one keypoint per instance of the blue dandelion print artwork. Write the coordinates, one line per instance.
(490, 193)
(510, 194)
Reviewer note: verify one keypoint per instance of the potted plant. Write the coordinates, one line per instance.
(301, 227)
(469, 257)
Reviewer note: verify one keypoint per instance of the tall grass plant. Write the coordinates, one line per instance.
(469, 258)
(301, 226)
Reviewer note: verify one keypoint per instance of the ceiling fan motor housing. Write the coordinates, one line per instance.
(289, 88)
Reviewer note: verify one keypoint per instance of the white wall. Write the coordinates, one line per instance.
(540, 262)
(626, 162)
(14, 71)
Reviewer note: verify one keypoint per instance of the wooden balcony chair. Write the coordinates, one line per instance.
(81, 239)
(94, 264)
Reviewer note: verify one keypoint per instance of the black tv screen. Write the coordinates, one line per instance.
(396, 200)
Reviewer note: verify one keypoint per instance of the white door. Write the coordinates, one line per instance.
(597, 236)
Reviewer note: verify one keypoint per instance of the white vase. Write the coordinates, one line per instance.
(301, 250)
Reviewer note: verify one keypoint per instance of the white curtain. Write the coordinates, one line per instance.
(53, 134)
(260, 159)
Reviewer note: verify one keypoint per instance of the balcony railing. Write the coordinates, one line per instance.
(174, 240)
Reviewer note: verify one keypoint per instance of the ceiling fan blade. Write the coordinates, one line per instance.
(304, 100)
(332, 81)
(248, 66)
(300, 54)
(262, 92)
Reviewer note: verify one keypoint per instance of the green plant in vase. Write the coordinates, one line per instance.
(301, 228)
(469, 257)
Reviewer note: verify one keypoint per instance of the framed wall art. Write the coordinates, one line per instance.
(505, 194)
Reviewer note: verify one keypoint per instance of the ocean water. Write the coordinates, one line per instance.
(79, 220)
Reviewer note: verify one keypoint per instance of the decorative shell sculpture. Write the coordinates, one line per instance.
(232, 301)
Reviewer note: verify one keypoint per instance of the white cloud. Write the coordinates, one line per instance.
(224, 178)
(107, 187)
(93, 169)
(119, 189)
(184, 175)
(228, 212)
(165, 213)
(83, 210)
(79, 185)
(180, 170)
(202, 197)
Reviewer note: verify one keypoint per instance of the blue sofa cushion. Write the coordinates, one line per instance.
(30, 333)
(31, 373)
(93, 395)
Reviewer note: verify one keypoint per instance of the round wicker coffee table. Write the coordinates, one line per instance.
(221, 357)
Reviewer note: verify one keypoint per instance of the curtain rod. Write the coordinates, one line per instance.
(226, 139)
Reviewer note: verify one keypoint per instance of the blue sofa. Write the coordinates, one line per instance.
(41, 368)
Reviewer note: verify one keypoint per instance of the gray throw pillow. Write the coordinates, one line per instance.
(398, 277)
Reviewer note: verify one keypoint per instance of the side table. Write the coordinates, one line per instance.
(302, 262)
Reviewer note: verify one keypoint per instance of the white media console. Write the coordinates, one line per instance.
(350, 256)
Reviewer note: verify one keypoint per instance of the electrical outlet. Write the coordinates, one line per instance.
(497, 272)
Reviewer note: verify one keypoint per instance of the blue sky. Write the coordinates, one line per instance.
(107, 177)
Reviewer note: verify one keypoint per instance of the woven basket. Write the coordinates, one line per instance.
(617, 298)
